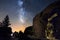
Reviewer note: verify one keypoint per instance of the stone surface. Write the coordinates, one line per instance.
(40, 21)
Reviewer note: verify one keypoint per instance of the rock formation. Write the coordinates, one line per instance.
(50, 14)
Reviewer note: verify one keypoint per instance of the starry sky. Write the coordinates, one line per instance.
(21, 12)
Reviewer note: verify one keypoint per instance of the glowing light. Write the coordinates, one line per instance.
(18, 28)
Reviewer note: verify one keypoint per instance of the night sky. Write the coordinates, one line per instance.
(21, 12)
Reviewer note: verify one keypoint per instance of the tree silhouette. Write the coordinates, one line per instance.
(15, 34)
(28, 31)
(6, 21)
(5, 31)
(21, 35)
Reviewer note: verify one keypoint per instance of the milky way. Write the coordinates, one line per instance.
(21, 12)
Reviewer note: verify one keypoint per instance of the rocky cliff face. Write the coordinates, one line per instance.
(41, 20)
(39, 24)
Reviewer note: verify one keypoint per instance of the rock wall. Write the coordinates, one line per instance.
(40, 21)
